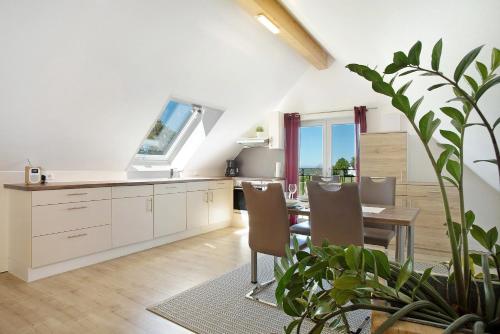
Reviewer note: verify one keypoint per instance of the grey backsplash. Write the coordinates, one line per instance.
(259, 161)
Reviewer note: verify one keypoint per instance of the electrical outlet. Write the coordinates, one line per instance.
(49, 176)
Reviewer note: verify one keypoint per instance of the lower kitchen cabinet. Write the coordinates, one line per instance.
(169, 214)
(197, 209)
(132, 220)
(220, 206)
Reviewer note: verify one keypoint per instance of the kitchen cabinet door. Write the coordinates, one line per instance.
(221, 206)
(170, 214)
(197, 209)
(132, 220)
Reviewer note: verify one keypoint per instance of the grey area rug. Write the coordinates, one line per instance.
(219, 306)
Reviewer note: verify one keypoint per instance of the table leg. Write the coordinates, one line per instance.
(400, 249)
(411, 241)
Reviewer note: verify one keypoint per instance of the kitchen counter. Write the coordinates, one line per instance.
(98, 184)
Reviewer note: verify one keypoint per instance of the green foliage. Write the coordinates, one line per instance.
(342, 164)
(465, 62)
(157, 128)
(436, 55)
(259, 129)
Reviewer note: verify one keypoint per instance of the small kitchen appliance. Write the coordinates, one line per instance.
(231, 169)
(32, 175)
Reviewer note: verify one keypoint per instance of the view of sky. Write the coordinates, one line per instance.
(311, 144)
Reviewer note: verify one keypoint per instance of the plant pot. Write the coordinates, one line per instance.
(402, 327)
(259, 134)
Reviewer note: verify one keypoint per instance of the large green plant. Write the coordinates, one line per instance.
(448, 165)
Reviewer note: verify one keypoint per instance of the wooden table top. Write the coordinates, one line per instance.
(391, 214)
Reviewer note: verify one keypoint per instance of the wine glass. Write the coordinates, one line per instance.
(292, 189)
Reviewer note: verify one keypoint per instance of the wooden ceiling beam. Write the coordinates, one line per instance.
(291, 31)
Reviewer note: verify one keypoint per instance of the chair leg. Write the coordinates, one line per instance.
(253, 267)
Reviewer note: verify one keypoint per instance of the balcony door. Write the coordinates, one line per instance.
(326, 147)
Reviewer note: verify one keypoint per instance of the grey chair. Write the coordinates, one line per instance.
(303, 227)
(378, 191)
(336, 214)
(269, 227)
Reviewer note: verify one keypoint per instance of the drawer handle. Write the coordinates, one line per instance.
(77, 194)
(77, 235)
(77, 208)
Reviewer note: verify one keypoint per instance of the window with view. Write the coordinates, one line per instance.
(175, 135)
(326, 148)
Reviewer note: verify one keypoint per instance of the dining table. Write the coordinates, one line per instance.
(403, 220)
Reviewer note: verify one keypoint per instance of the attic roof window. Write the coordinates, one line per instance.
(176, 134)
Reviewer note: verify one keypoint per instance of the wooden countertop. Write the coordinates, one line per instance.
(98, 184)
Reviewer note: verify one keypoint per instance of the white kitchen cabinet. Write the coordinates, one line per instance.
(169, 214)
(276, 130)
(197, 208)
(221, 205)
(132, 217)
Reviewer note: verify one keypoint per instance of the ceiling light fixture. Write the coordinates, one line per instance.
(268, 24)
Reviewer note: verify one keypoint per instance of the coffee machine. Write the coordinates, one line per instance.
(231, 169)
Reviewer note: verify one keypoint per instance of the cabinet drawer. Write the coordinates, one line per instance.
(222, 184)
(170, 188)
(132, 191)
(48, 219)
(197, 186)
(45, 197)
(63, 246)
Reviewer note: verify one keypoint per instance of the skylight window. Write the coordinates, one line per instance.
(175, 135)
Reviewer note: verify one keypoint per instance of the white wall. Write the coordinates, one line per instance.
(368, 32)
(82, 81)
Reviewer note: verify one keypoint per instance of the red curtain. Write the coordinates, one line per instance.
(360, 121)
(292, 124)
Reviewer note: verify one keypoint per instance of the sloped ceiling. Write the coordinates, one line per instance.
(368, 32)
(82, 81)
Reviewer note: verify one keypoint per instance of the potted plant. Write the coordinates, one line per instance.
(259, 132)
(326, 282)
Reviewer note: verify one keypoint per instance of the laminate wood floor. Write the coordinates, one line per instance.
(111, 297)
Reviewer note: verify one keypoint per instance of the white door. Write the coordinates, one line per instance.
(170, 214)
(132, 220)
(221, 206)
(197, 209)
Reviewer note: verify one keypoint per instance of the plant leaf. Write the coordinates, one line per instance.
(452, 137)
(453, 167)
(489, 293)
(449, 179)
(496, 123)
(404, 274)
(460, 322)
(454, 113)
(436, 86)
(414, 108)
(483, 70)
(492, 237)
(465, 62)
(480, 236)
(403, 88)
(472, 83)
(393, 68)
(443, 158)
(436, 54)
(414, 53)
(399, 58)
(383, 88)
(495, 59)
(408, 72)
(469, 219)
(402, 103)
(401, 313)
(365, 72)
(491, 161)
(486, 86)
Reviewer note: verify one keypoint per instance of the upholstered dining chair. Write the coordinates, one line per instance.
(303, 227)
(336, 214)
(381, 191)
(269, 227)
